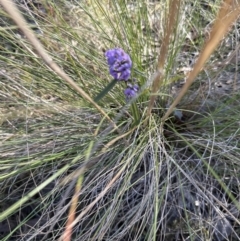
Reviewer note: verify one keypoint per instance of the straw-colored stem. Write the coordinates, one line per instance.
(67, 234)
(168, 31)
(227, 15)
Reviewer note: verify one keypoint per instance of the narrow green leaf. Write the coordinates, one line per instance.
(105, 90)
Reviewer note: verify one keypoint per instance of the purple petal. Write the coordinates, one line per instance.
(129, 93)
(125, 74)
(119, 63)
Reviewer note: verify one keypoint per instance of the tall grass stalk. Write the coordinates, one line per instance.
(228, 14)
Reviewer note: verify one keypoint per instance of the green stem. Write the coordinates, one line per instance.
(135, 113)
(105, 90)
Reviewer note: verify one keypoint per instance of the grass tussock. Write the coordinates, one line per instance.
(74, 169)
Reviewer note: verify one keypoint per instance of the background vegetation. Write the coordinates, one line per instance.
(66, 173)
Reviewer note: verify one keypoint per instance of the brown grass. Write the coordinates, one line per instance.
(170, 25)
(228, 14)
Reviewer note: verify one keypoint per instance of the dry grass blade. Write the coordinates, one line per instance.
(104, 149)
(12, 10)
(169, 28)
(68, 231)
(228, 14)
(91, 205)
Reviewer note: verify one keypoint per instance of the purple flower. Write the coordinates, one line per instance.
(119, 63)
(131, 91)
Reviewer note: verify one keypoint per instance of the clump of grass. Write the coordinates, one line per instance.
(67, 173)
